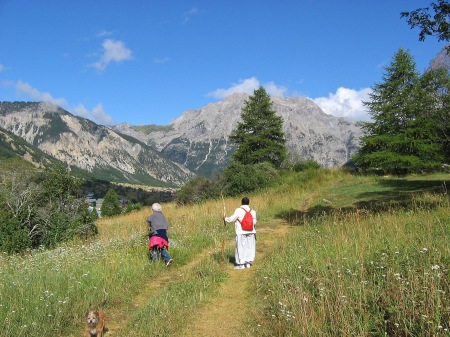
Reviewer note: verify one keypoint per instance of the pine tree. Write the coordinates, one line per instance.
(111, 205)
(259, 135)
(436, 105)
(401, 139)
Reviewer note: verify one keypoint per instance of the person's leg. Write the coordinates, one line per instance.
(250, 249)
(166, 256)
(155, 253)
(239, 257)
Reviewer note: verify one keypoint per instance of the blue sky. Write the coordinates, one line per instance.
(146, 62)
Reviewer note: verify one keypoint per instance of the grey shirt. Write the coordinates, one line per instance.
(157, 221)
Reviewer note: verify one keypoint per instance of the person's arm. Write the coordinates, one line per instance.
(233, 217)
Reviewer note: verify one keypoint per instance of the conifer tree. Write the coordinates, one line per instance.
(111, 205)
(401, 139)
(259, 135)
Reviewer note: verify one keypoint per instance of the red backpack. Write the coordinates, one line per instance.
(247, 221)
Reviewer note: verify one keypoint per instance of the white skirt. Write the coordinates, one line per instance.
(245, 248)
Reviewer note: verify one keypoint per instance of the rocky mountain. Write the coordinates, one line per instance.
(195, 143)
(14, 146)
(199, 139)
(81, 143)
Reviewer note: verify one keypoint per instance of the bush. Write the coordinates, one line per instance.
(240, 178)
(132, 207)
(13, 237)
(111, 205)
(197, 190)
(41, 212)
(305, 165)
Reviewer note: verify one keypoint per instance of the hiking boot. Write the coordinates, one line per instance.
(241, 266)
(168, 262)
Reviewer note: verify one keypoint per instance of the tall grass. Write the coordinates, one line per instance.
(366, 256)
(361, 273)
(48, 292)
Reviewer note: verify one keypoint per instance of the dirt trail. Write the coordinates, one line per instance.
(224, 315)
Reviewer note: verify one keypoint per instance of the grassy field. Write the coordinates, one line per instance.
(365, 256)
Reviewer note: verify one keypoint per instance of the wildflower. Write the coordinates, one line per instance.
(435, 267)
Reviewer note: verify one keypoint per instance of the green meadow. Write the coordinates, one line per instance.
(361, 256)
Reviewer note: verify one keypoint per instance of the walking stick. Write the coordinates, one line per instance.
(224, 225)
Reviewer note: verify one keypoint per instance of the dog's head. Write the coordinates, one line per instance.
(92, 318)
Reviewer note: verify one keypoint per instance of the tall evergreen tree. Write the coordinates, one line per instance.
(111, 205)
(401, 139)
(259, 135)
(436, 84)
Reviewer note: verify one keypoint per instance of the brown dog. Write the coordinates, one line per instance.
(96, 323)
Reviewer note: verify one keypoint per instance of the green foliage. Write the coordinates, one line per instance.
(403, 137)
(132, 207)
(197, 190)
(241, 178)
(40, 210)
(304, 165)
(259, 136)
(137, 194)
(437, 25)
(13, 236)
(436, 104)
(236, 179)
(59, 183)
(111, 205)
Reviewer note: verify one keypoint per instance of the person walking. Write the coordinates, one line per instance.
(245, 234)
(158, 240)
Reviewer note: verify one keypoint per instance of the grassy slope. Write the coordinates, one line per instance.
(352, 264)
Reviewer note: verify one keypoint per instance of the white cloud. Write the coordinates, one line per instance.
(97, 114)
(26, 89)
(248, 86)
(274, 90)
(346, 103)
(113, 51)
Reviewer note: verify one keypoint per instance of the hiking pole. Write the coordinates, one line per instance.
(224, 225)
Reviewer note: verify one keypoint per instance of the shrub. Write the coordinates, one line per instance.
(240, 178)
(111, 205)
(13, 237)
(305, 165)
(197, 190)
(41, 212)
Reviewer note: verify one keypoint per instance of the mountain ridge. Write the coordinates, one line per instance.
(199, 139)
(95, 148)
(195, 143)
